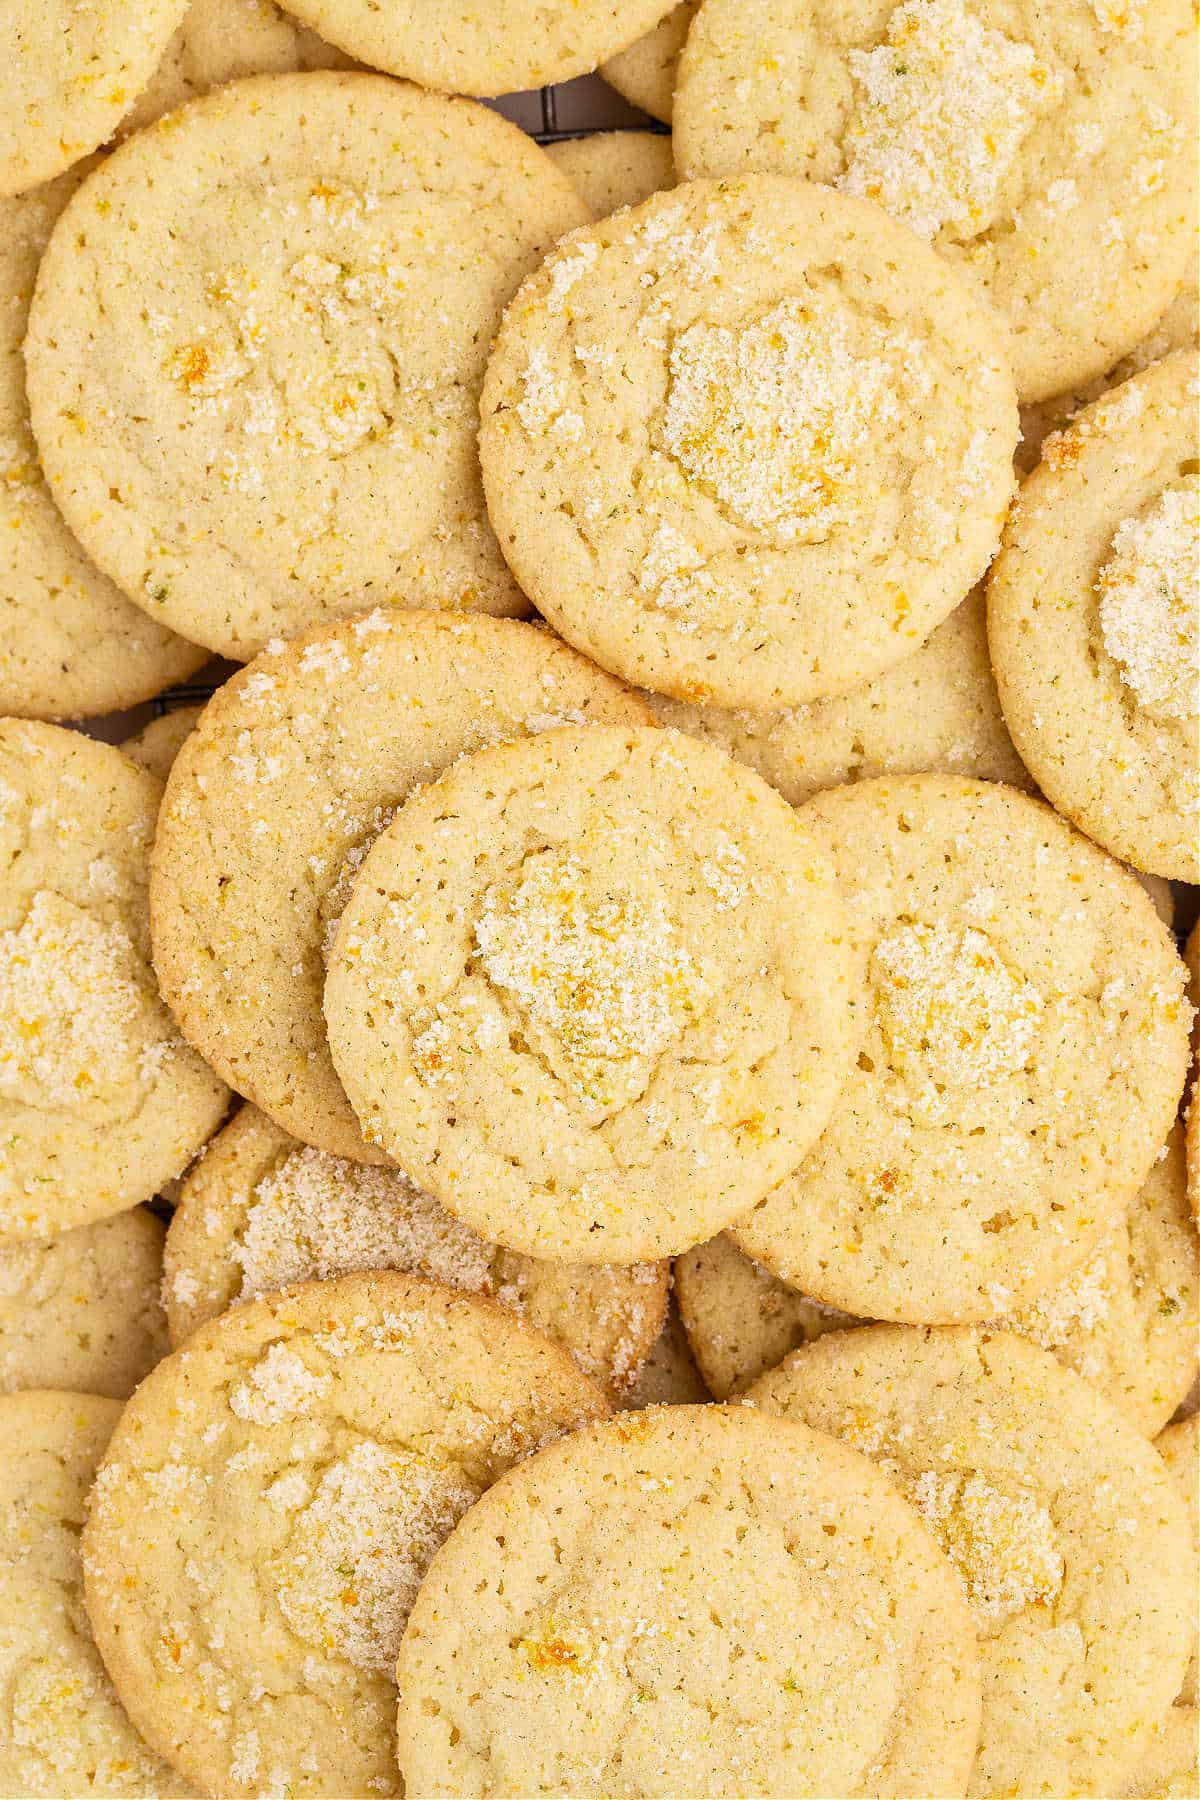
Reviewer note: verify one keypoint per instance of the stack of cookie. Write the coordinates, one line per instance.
(596, 1195)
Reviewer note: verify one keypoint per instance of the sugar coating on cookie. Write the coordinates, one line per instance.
(645, 73)
(1023, 1053)
(288, 1476)
(65, 1731)
(1169, 1766)
(670, 1375)
(101, 1100)
(456, 45)
(71, 73)
(593, 990)
(699, 421)
(71, 644)
(156, 746)
(295, 768)
(1069, 1537)
(1179, 1447)
(612, 169)
(83, 1312)
(1044, 150)
(1094, 621)
(292, 285)
(734, 1600)
(262, 1211)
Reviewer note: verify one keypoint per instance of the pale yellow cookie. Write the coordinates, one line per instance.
(1070, 1538)
(1094, 621)
(1169, 1768)
(938, 709)
(645, 73)
(256, 346)
(1046, 148)
(470, 48)
(285, 1479)
(1179, 1447)
(593, 990)
(669, 1376)
(157, 745)
(1020, 1065)
(261, 1211)
(690, 1600)
(71, 644)
(294, 769)
(71, 69)
(64, 1732)
(83, 1311)
(709, 420)
(611, 169)
(101, 1101)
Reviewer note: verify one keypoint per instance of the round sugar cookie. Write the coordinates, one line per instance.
(1094, 621)
(261, 1212)
(464, 47)
(64, 1728)
(1179, 1447)
(1019, 1069)
(748, 443)
(158, 744)
(256, 346)
(645, 73)
(83, 1312)
(1046, 151)
(938, 709)
(1068, 1534)
(594, 992)
(611, 169)
(101, 1101)
(690, 1600)
(70, 74)
(71, 644)
(669, 1376)
(295, 767)
(1169, 1768)
(286, 1478)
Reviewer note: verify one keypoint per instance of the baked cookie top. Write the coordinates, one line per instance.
(645, 73)
(1094, 620)
(71, 644)
(156, 746)
(101, 1101)
(1068, 1534)
(708, 420)
(65, 1731)
(690, 1600)
(295, 768)
(287, 1477)
(461, 45)
(1046, 150)
(611, 169)
(1023, 1053)
(669, 1376)
(593, 990)
(70, 74)
(262, 1211)
(1179, 1447)
(256, 346)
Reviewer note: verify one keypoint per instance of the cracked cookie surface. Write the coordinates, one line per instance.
(598, 1021)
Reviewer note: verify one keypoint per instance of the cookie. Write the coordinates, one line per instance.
(740, 1320)
(1179, 1447)
(611, 169)
(708, 420)
(71, 644)
(669, 1376)
(71, 72)
(593, 991)
(64, 1729)
(1169, 1768)
(101, 1101)
(1068, 1534)
(459, 46)
(1045, 151)
(286, 1478)
(262, 1211)
(938, 709)
(1020, 1064)
(83, 1311)
(158, 744)
(256, 345)
(1094, 621)
(645, 73)
(693, 1600)
(294, 769)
